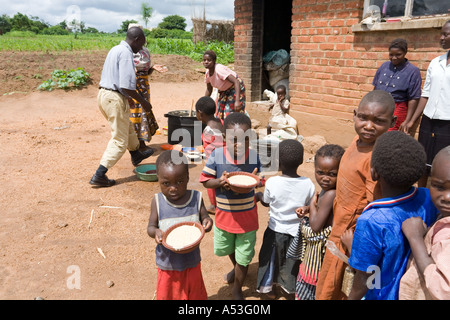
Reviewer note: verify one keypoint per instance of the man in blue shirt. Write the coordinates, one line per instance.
(118, 82)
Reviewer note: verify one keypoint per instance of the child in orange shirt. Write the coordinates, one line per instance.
(355, 188)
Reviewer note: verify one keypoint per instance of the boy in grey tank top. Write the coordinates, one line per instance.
(179, 275)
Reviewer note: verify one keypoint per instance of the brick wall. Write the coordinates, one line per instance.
(333, 67)
(248, 21)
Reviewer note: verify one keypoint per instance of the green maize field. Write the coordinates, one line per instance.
(27, 41)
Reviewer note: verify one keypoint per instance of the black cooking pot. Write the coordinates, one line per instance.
(184, 129)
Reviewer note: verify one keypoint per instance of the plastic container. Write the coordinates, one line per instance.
(146, 172)
(188, 149)
(166, 146)
(194, 156)
(191, 129)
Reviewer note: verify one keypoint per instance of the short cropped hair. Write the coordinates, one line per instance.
(330, 151)
(237, 118)
(398, 158)
(290, 153)
(282, 87)
(379, 96)
(206, 105)
(134, 33)
(172, 158)
(399, 44)
(212, 54)
(445, 152)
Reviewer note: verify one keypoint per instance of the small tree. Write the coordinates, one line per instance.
(124, 26)
(147, 12)
(5, 24)
(63, 25)
(21, 22)
(173, 22)
(90, 30)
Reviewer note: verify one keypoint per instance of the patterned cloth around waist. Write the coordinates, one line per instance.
(309, 247)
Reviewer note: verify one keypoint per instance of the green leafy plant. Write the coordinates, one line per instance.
(66, 79)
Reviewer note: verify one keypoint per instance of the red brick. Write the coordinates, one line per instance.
(326, 46)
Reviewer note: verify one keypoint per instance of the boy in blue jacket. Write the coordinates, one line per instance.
(379, 251)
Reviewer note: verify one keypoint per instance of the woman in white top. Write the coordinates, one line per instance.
(434, 131)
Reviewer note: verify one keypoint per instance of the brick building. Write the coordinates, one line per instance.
(333, 56)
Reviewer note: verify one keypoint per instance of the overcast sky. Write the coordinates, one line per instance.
(107, 15)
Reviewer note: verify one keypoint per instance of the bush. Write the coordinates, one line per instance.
(224, 51)
(173, 22)
(159, 33)
(179, 34)
(55, 30)
(64, 79)
(21, 34)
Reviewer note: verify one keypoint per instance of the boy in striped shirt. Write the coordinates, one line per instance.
(236, 218)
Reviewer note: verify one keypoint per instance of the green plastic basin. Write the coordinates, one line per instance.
(146, 172)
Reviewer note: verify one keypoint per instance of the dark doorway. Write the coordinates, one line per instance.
(277, 31)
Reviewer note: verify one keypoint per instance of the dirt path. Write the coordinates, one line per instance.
(51, 144)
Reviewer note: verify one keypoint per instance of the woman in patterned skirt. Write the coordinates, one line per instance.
(144, 123)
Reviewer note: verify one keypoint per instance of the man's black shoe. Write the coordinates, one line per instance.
(101, 181)
(137, 156)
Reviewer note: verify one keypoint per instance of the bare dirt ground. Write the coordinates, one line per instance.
(51, 144)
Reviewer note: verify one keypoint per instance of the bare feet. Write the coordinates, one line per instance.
(237, 293)
(237, 290)
(229, 277)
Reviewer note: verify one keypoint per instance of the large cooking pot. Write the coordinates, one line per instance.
(183, 128)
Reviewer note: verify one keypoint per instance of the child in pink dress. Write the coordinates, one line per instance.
(231, 88)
